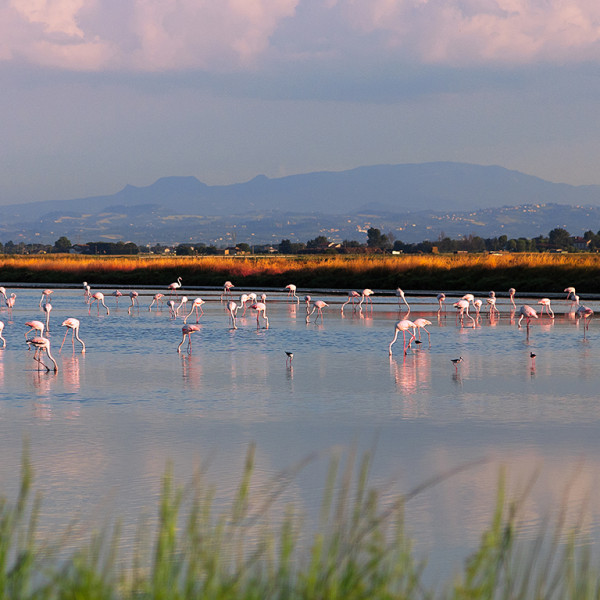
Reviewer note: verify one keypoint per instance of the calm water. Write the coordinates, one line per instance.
(102, 430)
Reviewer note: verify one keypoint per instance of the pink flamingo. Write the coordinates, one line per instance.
(307, 299)
(156, 299)
(477, 304)
(403, 326)
(134, 300)
(291, 288)
(573, 297)
(511, 296)
(365, 296)
(187, 331)
(421, 323)
(41, 345)
(587, 314)
(440, 298)
(227, 290)
(196, 304)
(47, 308)
(463, 308)
(319, 305)
(117, 294)
(98, 298)
(10, 302)
(261, 309)
(73, 325)
(351, 298)
(1, 338)
(182, 304)
(175, 286)
(491, 302)
(400, 295)
(34, 326)
(545, 302)
(527, 313)
(172, 311)
(46, 296)
(244, 299)
(232, 309)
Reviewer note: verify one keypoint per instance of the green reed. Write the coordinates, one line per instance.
(359, 550)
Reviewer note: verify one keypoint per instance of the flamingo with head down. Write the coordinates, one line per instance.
(319, 305)
(73, 326)
(41, 345)
(403, 326)
(98, 298)
(156, 299)
(545, 302)
(291, 288)
(351, 298)
(261, 309)
(232, 309)
(37, 326)
(187, 331)
(196, 304)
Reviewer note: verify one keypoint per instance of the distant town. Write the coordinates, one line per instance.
(557, 240)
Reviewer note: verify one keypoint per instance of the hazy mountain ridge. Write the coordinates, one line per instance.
(413, 201)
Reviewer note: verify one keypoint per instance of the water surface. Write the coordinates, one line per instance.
(102, 430)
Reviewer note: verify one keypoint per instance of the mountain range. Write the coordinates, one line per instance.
(412, 201)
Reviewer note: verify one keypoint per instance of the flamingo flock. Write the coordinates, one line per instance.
(410, 329)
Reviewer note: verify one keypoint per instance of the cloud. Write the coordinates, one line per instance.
(234, 35)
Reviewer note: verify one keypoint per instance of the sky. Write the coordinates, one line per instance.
(98, 94)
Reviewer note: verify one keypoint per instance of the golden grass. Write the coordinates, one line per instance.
(454, 271)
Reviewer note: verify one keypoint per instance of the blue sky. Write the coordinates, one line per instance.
(97, 94)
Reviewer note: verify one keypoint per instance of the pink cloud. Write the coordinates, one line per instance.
(161, 35)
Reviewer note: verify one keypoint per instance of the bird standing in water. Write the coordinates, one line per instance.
(289, 358)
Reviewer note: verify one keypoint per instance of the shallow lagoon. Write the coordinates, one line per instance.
(102, 430)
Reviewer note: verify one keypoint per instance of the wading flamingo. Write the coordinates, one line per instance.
(10, 302)
(491, 302)
(47, 308)
(477, 304)
(134, 300)
(366, 297)
(98, 298)
(182, 305)
(172, 311)
(196, 304)
(401, 298)
(440, 298)
(41, 345)
(587, 314)
(545, 302)
(319, 305)
(1, 338)
(573, 297)
(351, 298)
(260, 308)
(463, 307)
(403, 326)
(421, 323)
(511, 296)
(117, 294)
(232, 309)
(227, 290)
(527, 313)
(72, 325)
(244, 299)
(307, 299)
(291, 288)
(34, 326)
(46, 296)
(187, 331)
(156, 299)
(175, 286)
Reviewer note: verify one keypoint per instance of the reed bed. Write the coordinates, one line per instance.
(359, 551)
(476, 272)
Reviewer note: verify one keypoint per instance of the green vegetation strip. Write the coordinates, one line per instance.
(254, 549)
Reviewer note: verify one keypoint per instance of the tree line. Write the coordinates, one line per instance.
(558, 239)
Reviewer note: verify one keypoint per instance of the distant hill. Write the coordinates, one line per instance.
(414, 201)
